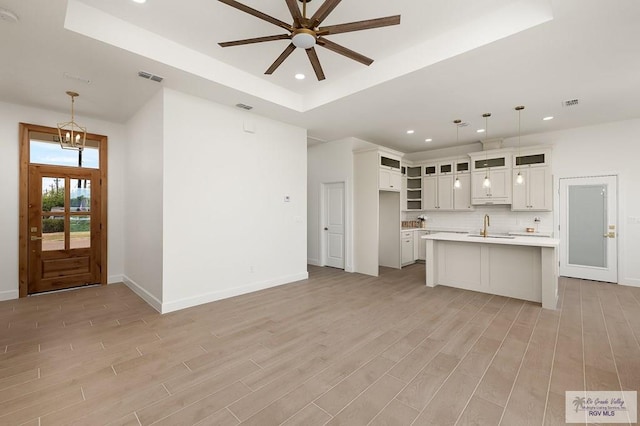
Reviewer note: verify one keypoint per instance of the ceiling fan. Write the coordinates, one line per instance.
(305, 32)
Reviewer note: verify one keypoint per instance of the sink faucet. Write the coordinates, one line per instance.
(485, 224)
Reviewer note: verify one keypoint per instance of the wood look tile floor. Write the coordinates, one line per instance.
(337, 349)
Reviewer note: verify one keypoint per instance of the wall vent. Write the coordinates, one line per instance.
(570, 103)
(150, 76)
(245, 107)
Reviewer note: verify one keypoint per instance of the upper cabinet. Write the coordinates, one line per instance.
(389, 174)
(389, 162)
(413, 188)
(491, 177)
(439, 186)
(535, 193)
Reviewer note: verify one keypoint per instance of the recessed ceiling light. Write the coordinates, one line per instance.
(140, 1)
(428, 140)
(410, 132)
(300, 76)
(548, 118)
(480, 131)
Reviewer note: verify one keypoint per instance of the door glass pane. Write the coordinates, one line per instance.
(80, 195)
(588, 218)
(80, 232)
(52, 233)
(52, 194)
(44, 148)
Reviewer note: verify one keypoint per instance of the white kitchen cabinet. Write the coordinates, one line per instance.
(406, 245)
(536, 192)
(498, 193)
(413, 188)
(389, 180)
(419, 245)
(462, 195)
(437, 189)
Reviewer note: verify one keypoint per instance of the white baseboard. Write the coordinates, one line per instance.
(9, 295)
(631, 282)
(144, 294)
(188, 302)
(115, 279)
(314, 262)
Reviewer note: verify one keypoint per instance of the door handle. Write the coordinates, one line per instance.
(34, 238)
(326, 229)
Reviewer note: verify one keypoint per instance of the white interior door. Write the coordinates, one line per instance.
(334, 224)
(588, 228)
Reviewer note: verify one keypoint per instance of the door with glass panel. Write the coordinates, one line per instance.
(64, 228)
(588, 228)
(63, 214)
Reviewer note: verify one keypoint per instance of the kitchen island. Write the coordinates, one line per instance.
(513, 266)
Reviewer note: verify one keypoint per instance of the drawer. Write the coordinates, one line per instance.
(406, 234)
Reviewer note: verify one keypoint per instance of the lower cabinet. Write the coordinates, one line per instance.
(406, 244)
(419, 245)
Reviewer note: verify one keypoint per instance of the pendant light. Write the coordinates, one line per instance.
(70, 134)
(519, 177)
(457, 184)
(486, 183)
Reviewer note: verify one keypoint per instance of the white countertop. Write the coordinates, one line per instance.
(516, 241)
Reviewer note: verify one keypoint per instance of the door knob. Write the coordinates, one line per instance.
(326, 229)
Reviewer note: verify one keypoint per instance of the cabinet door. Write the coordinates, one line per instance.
(407, 250)
(421, 244)
(500, 183)
(520, 192)
(445, 192)
(540, 188)
(389, 180)
(395, 181)
(429, 193)
(477, 190)
(462, 195)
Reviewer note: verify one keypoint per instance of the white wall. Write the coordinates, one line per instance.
(226, 227)
(11, 115)
(328, 163)
(143, 202)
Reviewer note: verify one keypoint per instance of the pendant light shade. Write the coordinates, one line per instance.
(487, 181)
(457, 184)
(519, 177)
(71, 134)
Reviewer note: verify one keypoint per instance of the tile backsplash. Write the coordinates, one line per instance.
(502, 219)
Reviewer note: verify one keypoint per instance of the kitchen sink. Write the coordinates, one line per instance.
(491, 236)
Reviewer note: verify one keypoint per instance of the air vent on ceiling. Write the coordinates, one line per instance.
(76, 78)
(150, 76)
(570, 103)
(243, 106)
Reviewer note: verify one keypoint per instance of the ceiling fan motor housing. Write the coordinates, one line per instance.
(304, 38)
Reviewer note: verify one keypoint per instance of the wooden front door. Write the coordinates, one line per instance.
(63, 212)
(64, 227)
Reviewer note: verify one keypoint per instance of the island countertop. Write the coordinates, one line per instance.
(511, 240)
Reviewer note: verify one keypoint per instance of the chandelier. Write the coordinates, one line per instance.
(71, 134)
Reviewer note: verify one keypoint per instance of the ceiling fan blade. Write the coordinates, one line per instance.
(295, 12)
(360, 25)
(284, 55)
(323, 11)
(257, 14)
(334, 47)
(315, 63)
(255, 40)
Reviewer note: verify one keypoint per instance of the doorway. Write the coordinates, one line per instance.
(588, 228)
(63, 226)
(333, 229)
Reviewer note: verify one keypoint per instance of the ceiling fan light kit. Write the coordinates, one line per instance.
(305, 33)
